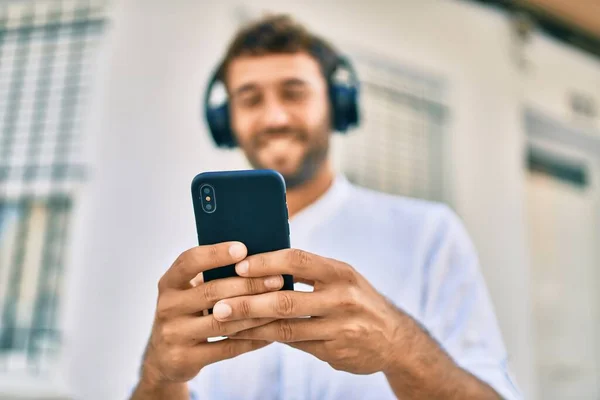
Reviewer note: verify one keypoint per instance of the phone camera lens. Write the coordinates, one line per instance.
(207, 197)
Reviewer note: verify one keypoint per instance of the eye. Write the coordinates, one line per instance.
(295, 94)
(249, 100)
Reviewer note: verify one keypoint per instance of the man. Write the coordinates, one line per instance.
(398, 306)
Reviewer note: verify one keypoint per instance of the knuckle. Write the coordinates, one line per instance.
(285, 331)
(347, 273)
(244, 308)
(168, 334)
(284, 304)
(340, 354)
(186, 267)
(299, 258)
(231, 348)
(164, 309)
(209, 292)
(208, 254)
(184, 259)
(176, 357)
(350, 298)
(162, 284)
(252, 285)
(213, 252)
(354, 332)
(216, 326)
(181, 257)
(262, 262)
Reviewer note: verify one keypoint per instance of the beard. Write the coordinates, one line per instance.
(315, 154)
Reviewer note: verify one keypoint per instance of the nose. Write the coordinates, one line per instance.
(275, 114)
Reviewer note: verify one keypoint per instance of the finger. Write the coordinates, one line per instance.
(314, 347)
(281, 304)
(201, 258)
(210, 353)
(205, 295)
(294, 262)
(290, 330)
(196, 330)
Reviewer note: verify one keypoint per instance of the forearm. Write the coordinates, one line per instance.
(425, 370)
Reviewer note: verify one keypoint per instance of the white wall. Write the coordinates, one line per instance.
(136, 215)
(565, 226)
(553, 72)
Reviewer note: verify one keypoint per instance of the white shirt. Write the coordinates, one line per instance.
(414, 252)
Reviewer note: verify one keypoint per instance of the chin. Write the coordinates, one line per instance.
(284, 165)
(287, 171)
(294, 180)
(296, 167)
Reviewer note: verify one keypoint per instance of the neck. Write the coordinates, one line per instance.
(304, 195)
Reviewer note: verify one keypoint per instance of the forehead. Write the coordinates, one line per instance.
(271, 69)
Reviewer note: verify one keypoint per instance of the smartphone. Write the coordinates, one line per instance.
(248, 206)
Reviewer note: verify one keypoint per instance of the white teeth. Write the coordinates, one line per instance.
(279, 144)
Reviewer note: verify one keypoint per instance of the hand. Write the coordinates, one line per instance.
(351, 326)
(178, 347)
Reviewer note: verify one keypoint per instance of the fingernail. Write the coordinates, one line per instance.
(221, 310)
(198, 279)
(273, 282)
(195, 282)
(237, 250)
(242, 268)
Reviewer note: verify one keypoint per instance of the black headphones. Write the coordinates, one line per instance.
(343, 97)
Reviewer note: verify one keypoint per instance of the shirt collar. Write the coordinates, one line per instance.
(321, 210)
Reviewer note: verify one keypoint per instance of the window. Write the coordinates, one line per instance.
(46, 51)
(400, 147)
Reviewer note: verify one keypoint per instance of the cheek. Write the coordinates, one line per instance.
(318, 116)
(241, 125)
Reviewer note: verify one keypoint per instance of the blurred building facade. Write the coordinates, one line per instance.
(457, 108)
(46, 57)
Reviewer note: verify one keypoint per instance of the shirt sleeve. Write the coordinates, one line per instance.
(456, 307)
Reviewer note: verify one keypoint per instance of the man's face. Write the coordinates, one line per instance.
(280, 113)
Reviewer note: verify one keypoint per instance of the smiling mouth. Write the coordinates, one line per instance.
(279, 137)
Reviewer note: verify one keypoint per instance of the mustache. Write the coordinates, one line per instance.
(265, 134)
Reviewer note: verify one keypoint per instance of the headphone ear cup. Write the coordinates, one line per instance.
(217, 115)
(219, 124)
(344, 103)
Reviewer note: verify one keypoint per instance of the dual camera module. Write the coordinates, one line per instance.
(207, 195)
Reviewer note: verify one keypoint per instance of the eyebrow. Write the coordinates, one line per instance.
(295, 82)
(249, 87)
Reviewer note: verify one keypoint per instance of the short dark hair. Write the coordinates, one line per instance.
(278, 34)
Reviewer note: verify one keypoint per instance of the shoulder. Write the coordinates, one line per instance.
(401, 209)
(423, 225)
